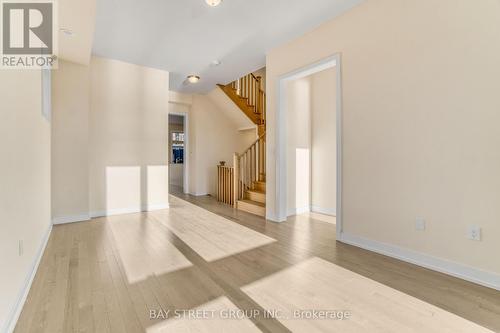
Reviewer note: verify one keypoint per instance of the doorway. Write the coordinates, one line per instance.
(309, 142)
(177, 151)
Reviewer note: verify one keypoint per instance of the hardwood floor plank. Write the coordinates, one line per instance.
(105, 275)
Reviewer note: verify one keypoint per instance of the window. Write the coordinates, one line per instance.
(178, 136)
(177, 147)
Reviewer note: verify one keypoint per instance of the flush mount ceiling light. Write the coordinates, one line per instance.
(193, 78)
(213, 3)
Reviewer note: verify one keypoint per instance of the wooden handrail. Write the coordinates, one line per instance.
(253, 143)
(249, 167)
(250, 88)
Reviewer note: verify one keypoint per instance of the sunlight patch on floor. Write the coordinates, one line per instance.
(215, 319)
(212, 236)
(316, 284)
(143, 248)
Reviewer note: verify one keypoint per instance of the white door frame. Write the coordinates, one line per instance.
(185, 166)
(281, 134)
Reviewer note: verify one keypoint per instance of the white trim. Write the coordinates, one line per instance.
(153, 207)
(12, 319)
(201, 194)
(298, 211)
(249, 128)
(280, 213)
(326, 211)
(70, 219)
(471, 274)
(112, 212)
(130, 210)
(315, 209)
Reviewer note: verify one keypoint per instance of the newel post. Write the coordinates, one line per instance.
(236, 177)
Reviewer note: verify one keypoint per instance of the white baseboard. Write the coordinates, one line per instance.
(471, 274)
(326, 211)
(131, 210)
(316, 209)
(201, 194)
(151, 208)
(12, 319)
(71, 219)
(298, 211)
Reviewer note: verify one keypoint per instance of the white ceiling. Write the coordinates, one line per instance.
(185, 36)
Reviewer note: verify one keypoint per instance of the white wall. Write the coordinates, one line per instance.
(24, 184)
(128, 137)
(420, 127)
(70, 147)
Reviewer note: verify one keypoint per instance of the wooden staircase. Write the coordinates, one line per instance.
(248, 95)
(244, 185)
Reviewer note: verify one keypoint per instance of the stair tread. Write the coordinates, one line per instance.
(251, 202)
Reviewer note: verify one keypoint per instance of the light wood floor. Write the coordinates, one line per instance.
(203, 257)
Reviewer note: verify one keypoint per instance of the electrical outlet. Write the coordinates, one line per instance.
(420, 224)
(21, 247)
(474, 233)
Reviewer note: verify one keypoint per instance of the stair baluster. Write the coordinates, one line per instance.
(247, 178)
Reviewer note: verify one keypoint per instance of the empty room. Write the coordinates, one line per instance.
(249, 166)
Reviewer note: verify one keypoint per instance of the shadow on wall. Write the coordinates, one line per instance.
(131, 189)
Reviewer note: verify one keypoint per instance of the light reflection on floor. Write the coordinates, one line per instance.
(143, 249)
(219, 315)
(316, 284)
(212, 236)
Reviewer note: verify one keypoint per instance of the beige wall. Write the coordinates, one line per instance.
(128, 141)
(213, 138)
(324, 142)
(70, 136)
(420, 128)
(311, 143)
(25, 183)
(298, 106)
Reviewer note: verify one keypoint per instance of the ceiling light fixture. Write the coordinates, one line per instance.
(213, 3)
(193, 78)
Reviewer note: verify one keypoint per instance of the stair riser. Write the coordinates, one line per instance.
(259, 197)
(252, 209)
(260, 187)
